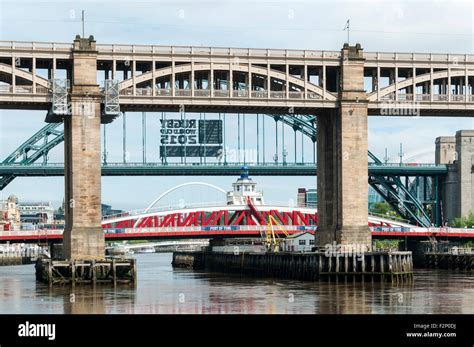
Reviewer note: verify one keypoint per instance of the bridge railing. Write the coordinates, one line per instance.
(404, 164)
(433, 230)
(220, 164)
(391, 218)
(55, 46)
(242, 93)
(428, 97)
(217, 164)
(217, 51)
(418, 57)
(192, 229)
(37, 232)
(8, 89)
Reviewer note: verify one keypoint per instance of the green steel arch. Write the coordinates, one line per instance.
(36, 147)
(390, 187)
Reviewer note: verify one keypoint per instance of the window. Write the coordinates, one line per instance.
(311, 242)
(302, 242)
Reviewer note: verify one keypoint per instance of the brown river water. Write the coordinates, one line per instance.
(162, 289)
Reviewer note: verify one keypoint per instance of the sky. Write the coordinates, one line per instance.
(403, 26)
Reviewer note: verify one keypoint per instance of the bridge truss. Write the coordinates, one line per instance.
(411, 190)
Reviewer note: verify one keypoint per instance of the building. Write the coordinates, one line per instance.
(299, 242)
(244, 188)
(374, 197)
(307, 197)
(9, 214)
(107, 210)
(36, 212)
(457, 188)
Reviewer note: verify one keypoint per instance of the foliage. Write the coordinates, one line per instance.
(464, 222)
(384, 208)
(386, 244)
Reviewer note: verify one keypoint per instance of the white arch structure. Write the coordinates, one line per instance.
(150, 75)
(12, 71)
(175, 188)
(374, 96)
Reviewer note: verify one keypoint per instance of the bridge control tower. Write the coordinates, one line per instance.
(244, 188)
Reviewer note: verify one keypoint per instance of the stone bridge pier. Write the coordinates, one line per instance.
(83, 235)
(342, 160)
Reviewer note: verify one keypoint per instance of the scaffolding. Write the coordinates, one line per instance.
(111, 98)
(59, 89)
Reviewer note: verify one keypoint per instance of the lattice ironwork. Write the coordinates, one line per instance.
(111, 98)
(60, 102)
(392, 189)
(36, 147)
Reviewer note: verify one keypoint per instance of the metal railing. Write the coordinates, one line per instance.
(54, 46)
(9, 89)
(404, 164)
(235, 51)
(409, 230)
(428, 97)
(241, 93)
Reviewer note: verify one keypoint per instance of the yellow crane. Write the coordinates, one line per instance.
(272, 239)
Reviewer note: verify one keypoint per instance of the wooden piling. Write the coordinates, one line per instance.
(381, 266)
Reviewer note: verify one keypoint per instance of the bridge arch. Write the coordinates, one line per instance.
(175, 188)
(11, 71)
(417, 79)
(167, 71)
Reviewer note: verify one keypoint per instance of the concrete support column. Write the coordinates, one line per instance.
(323, 78)
(396, 83)
(54, 68)
(342, 160)
(431, 84)
(153, 79)
(192, 78)
(231, 80)
(466, 84)
(378, 83)
(249, 84)
(449, 84)
(14, 61)
(33, 71)
(211, 81)
(134, 72)
(172, 79)
(305, 73)
(269, 82)
(114, 70)
(83, 234)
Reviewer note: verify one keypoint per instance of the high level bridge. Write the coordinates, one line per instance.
(338, 88)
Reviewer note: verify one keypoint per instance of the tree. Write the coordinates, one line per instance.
(384, 208)
(464, 222)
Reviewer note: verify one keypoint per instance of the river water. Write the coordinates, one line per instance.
(162, 289)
